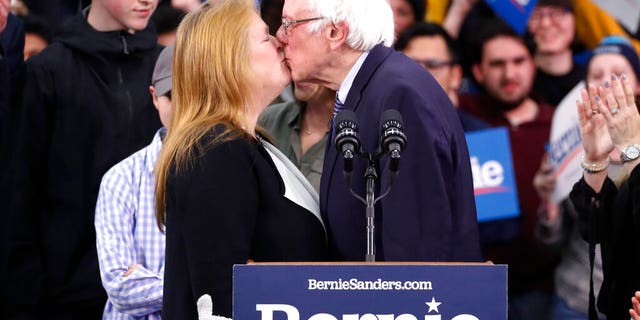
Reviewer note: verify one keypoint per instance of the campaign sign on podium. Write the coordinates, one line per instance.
(367, 291)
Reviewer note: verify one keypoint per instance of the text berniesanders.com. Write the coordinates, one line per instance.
(379, 284)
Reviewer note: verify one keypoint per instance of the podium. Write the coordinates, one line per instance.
(370, 291)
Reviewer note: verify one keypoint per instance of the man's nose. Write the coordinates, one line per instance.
(281, 35)
(510, 70)
(276, 42)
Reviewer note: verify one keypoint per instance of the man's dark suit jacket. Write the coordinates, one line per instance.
(429, 215)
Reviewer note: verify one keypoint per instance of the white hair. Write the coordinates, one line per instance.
(370, 21)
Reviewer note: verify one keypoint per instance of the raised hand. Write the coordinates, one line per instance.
(620, 112)
(543, 181)
(593, 127)
(635, 303)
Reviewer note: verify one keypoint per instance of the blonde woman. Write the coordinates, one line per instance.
(229, 196)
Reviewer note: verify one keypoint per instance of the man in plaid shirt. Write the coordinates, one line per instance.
(130, 244)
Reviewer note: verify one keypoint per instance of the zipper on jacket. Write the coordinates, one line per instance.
(127, 92)
(125, 47)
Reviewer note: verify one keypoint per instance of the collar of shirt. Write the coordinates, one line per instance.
(343, 92)
(154, 150)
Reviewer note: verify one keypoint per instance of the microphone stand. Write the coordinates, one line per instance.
(349, 142)
(371, 177)
(370, 200)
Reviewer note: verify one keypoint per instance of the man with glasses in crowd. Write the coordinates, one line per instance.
(429, 215)
(433, 48)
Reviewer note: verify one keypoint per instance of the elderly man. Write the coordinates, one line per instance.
(429, 215)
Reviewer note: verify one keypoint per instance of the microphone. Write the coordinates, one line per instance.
(392, 140)
(346, 137)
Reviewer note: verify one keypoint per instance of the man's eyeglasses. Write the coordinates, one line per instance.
(554, 14)
(286, 24)
(434, 64)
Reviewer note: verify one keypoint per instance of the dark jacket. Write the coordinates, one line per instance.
(430, 213)
(86, 107)
(611, 218)
(227, 208)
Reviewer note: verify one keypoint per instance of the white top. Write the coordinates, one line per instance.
(297, 187)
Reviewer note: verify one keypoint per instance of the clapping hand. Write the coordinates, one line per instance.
(635, 302)
(593, 127)
(615, 102)
(205, 309)
(544, 182)
(620, 111)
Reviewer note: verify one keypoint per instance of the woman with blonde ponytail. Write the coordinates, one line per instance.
(224, 194)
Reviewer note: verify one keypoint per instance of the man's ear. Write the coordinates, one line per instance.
(477, 74)
(456, 77)
(152, 90)
(338, 34)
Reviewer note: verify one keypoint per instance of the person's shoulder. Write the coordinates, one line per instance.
(400, 71)
(220, 142)
(12, 31)
(470, 122)
(50, 57)
(126, 169)
(469, 101)
(276, 113)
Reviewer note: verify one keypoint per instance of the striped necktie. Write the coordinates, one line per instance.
(337, 106)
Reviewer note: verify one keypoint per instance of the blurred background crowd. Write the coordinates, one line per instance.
(495, 76)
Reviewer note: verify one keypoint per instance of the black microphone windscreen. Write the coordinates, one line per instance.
(345, 116)
(391, 115)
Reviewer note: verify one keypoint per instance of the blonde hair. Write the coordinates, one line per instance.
(212, 80)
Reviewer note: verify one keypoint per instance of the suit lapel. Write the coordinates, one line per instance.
(375, 58)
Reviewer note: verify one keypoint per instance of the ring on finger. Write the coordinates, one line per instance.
(594, 111)
(615, 111)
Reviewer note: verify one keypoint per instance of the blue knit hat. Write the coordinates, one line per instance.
(619, 45)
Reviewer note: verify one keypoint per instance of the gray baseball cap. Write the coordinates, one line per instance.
(161, 78)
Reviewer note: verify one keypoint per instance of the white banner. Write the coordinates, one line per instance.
(565, 146)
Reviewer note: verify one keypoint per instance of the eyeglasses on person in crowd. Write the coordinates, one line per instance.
(553, 13)
(435, 65)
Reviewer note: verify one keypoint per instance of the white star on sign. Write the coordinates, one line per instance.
(433, 305)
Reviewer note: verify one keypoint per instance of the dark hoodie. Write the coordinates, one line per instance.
(86, 107)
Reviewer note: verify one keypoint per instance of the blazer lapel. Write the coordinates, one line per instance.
(375, 58)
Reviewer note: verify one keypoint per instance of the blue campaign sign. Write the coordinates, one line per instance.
(369, 292)
(514, 12)
(493, 178)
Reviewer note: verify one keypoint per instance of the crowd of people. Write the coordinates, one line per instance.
(139, 162)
